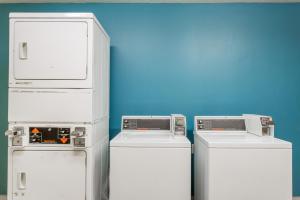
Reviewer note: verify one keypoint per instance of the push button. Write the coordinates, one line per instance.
(79, 142)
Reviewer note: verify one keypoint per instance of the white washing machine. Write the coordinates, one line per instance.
(150, 159)
(233, 164)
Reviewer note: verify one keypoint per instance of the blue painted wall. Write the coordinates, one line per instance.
(195, 59)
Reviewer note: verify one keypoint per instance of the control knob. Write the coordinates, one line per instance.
(16, 131)
(78, 132)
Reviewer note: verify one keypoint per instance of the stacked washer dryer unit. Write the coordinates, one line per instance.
(150, 159)
(58, 107)
(237, 157)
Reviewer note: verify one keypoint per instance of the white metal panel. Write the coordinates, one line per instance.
(52, 83)
(241, 141)
(249, 174)
(244, 173)
(150, 173)
(97, 55)
(97, 175)
(50, 105)
(96, 168)
(92, 65)
(58, 15)
(149, 139)
(50, 50)
(200, 171)
(49, 175)
(100, 73)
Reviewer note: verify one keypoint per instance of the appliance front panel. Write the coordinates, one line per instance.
(249, 174)
(37, 105)
(49, 175)
(45, 50)
(150, 173)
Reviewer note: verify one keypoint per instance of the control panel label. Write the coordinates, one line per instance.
(146, 124)
(49, 135)
(221, 124)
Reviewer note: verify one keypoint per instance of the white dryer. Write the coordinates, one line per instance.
(58, 68)
(58, 109)
(233, 164)
(150, 159)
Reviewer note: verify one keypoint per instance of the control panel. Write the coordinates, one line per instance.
(266, 123)
(146, 124)
(16, 135)
(79, 136)
(224, 124)
(49, 135)
(175, 123)
(179, 125)
(259, 124)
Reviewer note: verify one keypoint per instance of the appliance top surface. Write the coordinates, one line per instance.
(51, 15)
(244, 140)
(149, 139)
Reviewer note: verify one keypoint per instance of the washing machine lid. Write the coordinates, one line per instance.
(149, 140)
(241, 141)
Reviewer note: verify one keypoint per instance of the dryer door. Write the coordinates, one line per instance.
(49, 175)
(48, 50)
